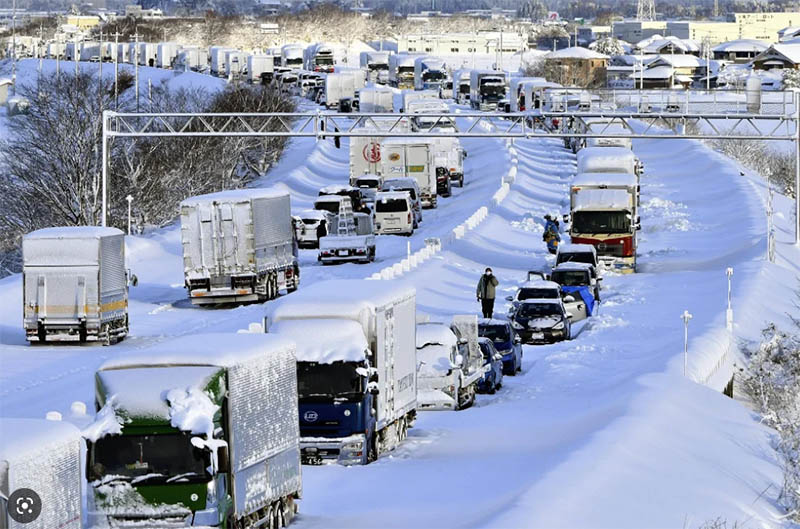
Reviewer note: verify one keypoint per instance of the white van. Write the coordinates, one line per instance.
(410, 185)
(394, 213)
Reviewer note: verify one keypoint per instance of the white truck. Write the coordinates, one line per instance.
(401, 70)
(75, 285)
(608, 160)
(376, 99)
(43, 456)
(430, 73)
(358, 386)
(238, 246)
(461, 80)
(413, 158)
(449, 162)
(449, 364)
(147, 53)
(418, 95)
(486, 89)
(376, 64)
(260, 68)
(192, 58)
(338, 86)
(166, 52)
(319, 58)
(356, 246)
(218, 64)
(292, 56)
(365, 151)
(200, 430)
(235, 64)
(604, 212)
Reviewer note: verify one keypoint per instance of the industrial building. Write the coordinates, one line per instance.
(463, 43)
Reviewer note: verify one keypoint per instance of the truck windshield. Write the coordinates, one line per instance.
(537, 293)
(406, 69)
(496, 333)
(537, 310)
(375, 67)
(391, 205)
(432, 75)
(328, 381)
(463, 89)
(570, 278)
(368, 182)
(149, 459)
(601, 222)
(324, 61)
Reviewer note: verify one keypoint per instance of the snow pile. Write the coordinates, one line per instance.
(433, 360)
(106, 422)
(115, 498)
(674, 216)
(191, 410)
(324, 341)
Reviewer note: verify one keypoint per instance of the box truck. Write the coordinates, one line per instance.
(42, 456)
(401, 70)
(292, 56)
(608, 160)
(200, 430)
(486, 89)
(377, 99)
(260, 68)
(376, 64)
(430, 73)
(238, 246)
(318, 58)
(414, 158)
(365, 151)
(166, 52)
(75, 284)
(358, 386)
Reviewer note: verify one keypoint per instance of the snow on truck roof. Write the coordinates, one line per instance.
(73, 232)
(338, 299)
(576, 248)
(22, 437)
(235, 195)
(435, 334)
(212, 349)
(343, 340)
(604, 152)
(609, 179)
(572, 265)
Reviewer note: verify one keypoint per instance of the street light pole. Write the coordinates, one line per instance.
(129, 198)
(685, 317)
(729, 312)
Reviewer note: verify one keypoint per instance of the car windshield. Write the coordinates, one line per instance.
(149, 459)
(310, 222)
(579, 257)
(496, 333)
(368, 182)
(537, 293)
(570, 278)
(329, 381)
(391, 205)
(601, 222)
(536, 310)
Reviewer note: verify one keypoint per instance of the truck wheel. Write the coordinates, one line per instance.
(372, 449)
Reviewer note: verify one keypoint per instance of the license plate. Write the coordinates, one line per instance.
(392, 221)
(537, 336)
(343, 253)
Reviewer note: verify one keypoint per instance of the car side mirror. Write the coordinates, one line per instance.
(373, 389)
(223, 459)
(569, 316)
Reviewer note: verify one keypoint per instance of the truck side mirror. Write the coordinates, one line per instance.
(517, 339)
(459, 361)
(373, 389)
(223, 459)
(132, 279)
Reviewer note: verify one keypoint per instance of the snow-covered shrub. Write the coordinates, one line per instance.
(609, 46)
(791, 79)
(772, 381)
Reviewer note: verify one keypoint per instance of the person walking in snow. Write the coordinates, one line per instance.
(551, 234)
(486, 292)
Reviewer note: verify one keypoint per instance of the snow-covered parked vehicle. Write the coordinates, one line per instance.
(580, 288)
(394, 213)
(358, 385)
(356, 195)
(358, 246)
(506, 341)
(238, 246)
(331, 203)
(410, 186)
(492, 378)
(200, 430)
(608, 160)
(533, 289)
(369, 184)
(43, 456)
(577, 253)
(75, 285)
(542, 321)
(311, 225)
(449, 364)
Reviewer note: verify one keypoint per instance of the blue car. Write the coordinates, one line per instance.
(506, 342)
(492, 379)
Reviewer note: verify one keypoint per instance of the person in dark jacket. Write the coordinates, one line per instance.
(486, 292)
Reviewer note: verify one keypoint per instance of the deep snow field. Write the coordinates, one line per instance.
(601, 431)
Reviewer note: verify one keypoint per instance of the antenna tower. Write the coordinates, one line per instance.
(645, 10)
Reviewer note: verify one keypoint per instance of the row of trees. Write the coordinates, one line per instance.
(52, 164)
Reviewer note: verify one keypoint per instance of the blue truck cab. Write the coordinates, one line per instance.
(492, 379)
(505, 341)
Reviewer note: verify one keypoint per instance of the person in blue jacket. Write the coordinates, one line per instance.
(551, 234)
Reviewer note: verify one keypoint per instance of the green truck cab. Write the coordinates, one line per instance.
(198, 431)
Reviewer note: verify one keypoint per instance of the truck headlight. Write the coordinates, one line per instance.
(352, 446)
(559, 325)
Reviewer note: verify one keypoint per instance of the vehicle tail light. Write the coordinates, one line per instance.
(555, 123)
(409, 218)
(289, 272)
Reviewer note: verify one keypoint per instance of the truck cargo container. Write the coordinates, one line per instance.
(147, 53)
(338, 86)
(413, 158)
(365, 151)
(376, 99)
(358, 387)
(200, 430)
(461, 80)
(292, 56)
(218, 60)
(235, 64)
(604, 209)
(166, 52)
(75, 284)
(238, 246)
(417, 95)
(486, 89)
(43, 456)
(192, 58)
(608, 160)
(260, 68)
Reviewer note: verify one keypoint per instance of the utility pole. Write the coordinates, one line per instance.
(75, 53)
(685, 317)
(14, 48)
(729, 311)
(136, 68)
(116, 70)
(100, 71)
(41, 55)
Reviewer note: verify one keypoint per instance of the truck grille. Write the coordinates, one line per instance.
(614, 250)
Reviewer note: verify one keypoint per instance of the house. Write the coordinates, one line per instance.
(778, 56)
(788, 33)
(577, 66)
(668, 71)
(669, 45)
(739, 51)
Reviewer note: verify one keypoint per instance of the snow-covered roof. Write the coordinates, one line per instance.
(336, 188)
(540, 283)
(235, 195)
(645, 42)
(575, 52)
(678, 61)
(21, 437)
(658, 72)
(576, 248)
(330, 198)
(324, 341)
(602, 199)
(73, 232)
(610, 179)
(313, 214)
(596, 159)
(791, 52)
(390, 195)
(435, 333)
(5, 81)
(670, 42)
(788, 32)
(741, 45)
(212, 349)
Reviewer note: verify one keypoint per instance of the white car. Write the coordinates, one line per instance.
(308, 227)
(394, 213)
